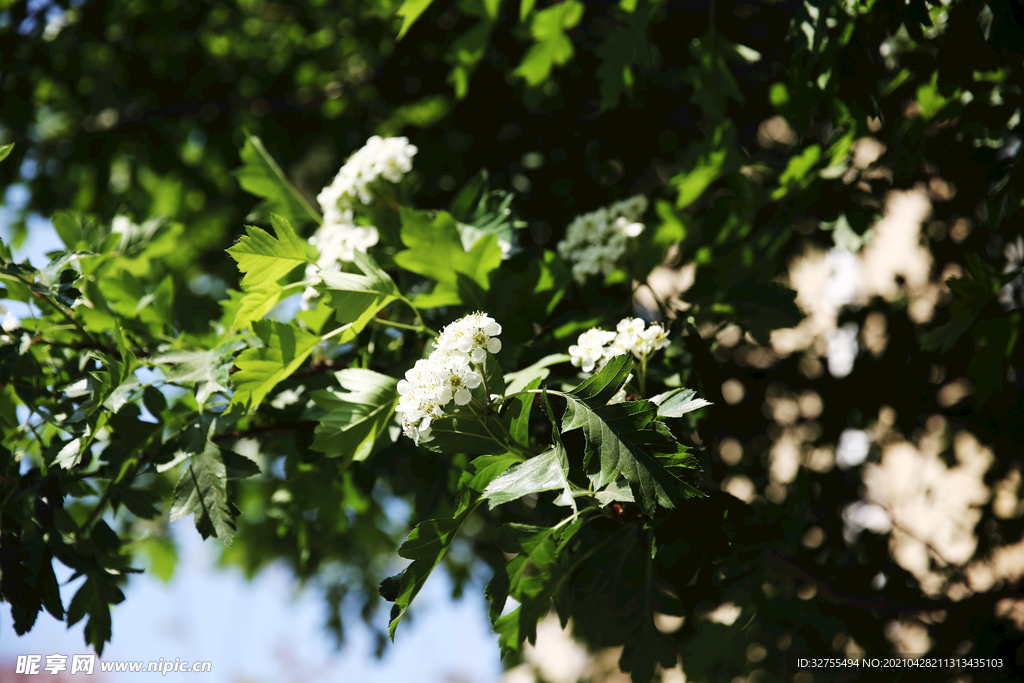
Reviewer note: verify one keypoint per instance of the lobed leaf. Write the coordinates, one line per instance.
(623, 439)
(260, 175)
(202, 491)
(285, 348)
(264, 258)
(357, 417)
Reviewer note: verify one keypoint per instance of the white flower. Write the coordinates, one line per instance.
(654, 338)
(595, 242)
(11, 322)
(336, 243)
(447, 374)
(121, 225)
(390, 158)
(339, 237)
(631, 209)
(596, 347)
(473, 335)
(628, 229)
(457, 382)
(589, 348)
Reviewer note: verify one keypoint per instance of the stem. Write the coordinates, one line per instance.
(502, 399)
(98, 510)
(643, 375)
(335, 332)
(483, 378)
(404, 326)
(488, 415)
(66, 312)
(419, 317)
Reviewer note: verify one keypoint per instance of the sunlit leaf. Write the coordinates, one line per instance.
(264, 258)
(356, 417)
(260, 175)
(285, 348)
(202, 491)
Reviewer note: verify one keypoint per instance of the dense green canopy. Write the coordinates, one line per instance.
(825, 177)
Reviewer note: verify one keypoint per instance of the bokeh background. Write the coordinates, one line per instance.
(860, 153)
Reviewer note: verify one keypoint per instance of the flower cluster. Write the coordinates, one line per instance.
(595, 347)
(447, 374)
(339, 237)
(387, 157)
(594, 242)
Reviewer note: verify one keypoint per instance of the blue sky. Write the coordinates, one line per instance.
(264, 631)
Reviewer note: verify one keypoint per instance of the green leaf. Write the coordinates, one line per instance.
(68, 229)
(5, 150)
(764, 306)
(930, 101)
(972, 298)
(357, 417)
(597, 390)
(517, 415)
(645, 646)
(617, 491)
(256, 303)
(435, 250)
(422, 113)
(285, 348)
(162, 555)
(619, 51)
(208, 371)
(706, 163)
(465, 53)
(202, 491)
(546, 472)
(264, 258)
(797, 171)
(470, 196)
(410, 11)
(45, 580)
(481, 472)
(140, 502)
(70, 454)
(260, 175)
(493, 377)
(426, 546)
(94, 598)
(551, 47)
(122, 394)
(454, 434)
(239, 466)
(532, 577)
(623, 439)
(678, 402)
(358, 298)
(525, 7)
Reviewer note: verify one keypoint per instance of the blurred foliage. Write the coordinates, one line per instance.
(145, 110)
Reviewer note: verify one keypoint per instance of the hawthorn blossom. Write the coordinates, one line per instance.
(596, 347)
(340, 237)
(589, 348)
(447, 374)
(595, 242)
(387, 157)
